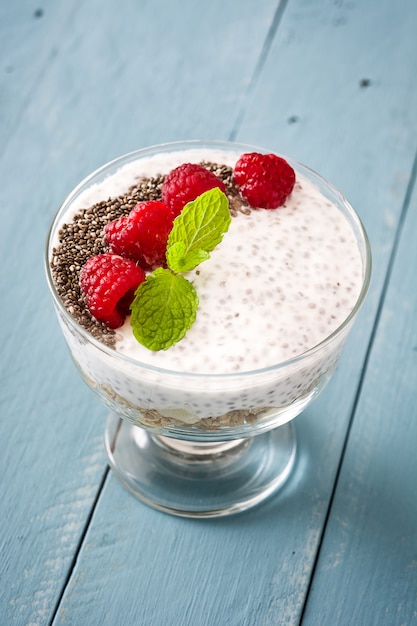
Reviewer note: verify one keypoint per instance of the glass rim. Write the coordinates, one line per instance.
(354, 221)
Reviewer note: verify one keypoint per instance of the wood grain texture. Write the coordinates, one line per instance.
(93, 80)
(274, 563)
(29, 39)
(88, 82)
(52, 461)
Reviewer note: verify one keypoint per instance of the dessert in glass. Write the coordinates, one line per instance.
(203, 427)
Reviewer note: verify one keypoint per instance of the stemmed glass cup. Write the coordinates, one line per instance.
(202, 445)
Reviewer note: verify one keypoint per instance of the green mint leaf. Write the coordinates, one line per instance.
(197, 230)
(164, 308)
(184, 259)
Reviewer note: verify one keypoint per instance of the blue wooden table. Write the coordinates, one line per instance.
(332, 83)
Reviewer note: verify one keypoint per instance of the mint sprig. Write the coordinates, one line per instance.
(165, 304)
(164, 308)
(197, 230)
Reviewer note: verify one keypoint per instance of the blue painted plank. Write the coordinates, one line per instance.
(359, 137)
(136, 563)
(369, 554)
(30, 36)
(150, 72)
(49, 479)
(256, 568)
(364, 55)
(116, 79)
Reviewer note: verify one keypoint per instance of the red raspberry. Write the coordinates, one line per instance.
(109, 283)
(185, 183)
(264, 180)
(142, 236)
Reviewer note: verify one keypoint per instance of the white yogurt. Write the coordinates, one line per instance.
(279, 284)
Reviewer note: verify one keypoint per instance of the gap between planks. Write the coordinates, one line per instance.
(79, 545)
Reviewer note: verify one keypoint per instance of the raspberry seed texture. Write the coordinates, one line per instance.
(264, 180)
(109, 282)
(185, 183)
(142, 236)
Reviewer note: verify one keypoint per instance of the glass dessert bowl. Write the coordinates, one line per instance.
(197, 430)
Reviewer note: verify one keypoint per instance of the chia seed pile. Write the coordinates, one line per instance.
(83, 238)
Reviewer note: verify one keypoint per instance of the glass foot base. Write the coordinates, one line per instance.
(194, 479)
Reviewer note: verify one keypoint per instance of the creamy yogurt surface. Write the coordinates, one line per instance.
(280, 282)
